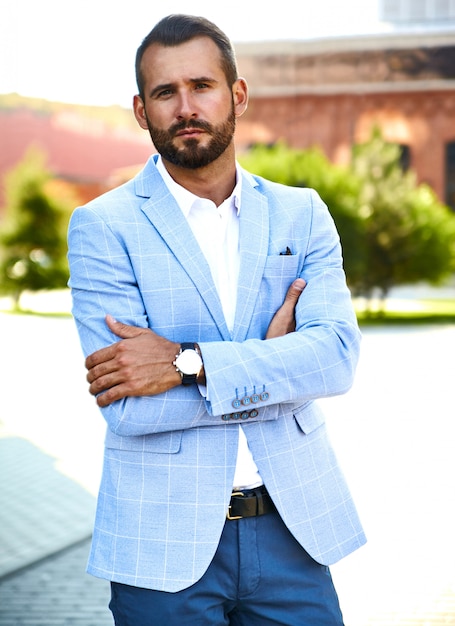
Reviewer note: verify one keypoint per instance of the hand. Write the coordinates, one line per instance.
(283, 322)
(138, 365)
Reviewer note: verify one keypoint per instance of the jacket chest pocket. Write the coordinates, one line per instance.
(279, 272)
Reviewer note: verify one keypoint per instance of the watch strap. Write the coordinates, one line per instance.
(188, 379)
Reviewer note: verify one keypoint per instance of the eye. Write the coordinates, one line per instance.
(202, 86)
(164, 93)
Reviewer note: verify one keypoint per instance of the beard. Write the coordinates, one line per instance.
(192, 155)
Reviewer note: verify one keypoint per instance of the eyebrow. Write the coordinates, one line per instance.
(159, 88)
(194, 81)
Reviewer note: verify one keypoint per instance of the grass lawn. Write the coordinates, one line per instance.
(396, 310)
(425, 311)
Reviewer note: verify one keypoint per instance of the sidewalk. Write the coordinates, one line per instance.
(55, 592)
(394, 434)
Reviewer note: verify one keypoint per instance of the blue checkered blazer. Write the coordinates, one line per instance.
(170, 459)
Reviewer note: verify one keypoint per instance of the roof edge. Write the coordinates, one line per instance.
(395, 40)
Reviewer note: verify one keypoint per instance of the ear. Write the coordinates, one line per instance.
(240, 96)
(139, 112)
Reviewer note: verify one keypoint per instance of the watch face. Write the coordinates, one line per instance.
(189, 362)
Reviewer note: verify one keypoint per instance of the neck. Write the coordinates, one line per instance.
(214, 181)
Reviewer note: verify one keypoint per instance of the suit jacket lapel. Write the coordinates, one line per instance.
(166, 216)
(254, 241)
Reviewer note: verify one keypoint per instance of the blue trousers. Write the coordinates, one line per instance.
(260, 576)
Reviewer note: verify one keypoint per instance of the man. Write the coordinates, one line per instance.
(221, 500)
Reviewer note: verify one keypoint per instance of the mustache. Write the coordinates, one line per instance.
(184, 124)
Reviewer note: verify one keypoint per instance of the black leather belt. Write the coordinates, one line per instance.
(250, 503)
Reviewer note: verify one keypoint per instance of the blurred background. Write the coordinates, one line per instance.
(353, 98)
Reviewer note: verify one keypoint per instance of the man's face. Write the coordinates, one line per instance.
(188, 108)
(193, 153)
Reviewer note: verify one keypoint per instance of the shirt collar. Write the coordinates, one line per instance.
(185, 199)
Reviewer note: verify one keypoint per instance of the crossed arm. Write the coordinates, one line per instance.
(141, 363)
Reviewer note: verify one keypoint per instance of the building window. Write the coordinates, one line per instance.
(405, 157)
(402, 11)
(450, 174)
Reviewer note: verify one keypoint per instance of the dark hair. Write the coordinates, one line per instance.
(174, 30)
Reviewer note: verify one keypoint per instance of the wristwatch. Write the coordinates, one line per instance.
(188, 363)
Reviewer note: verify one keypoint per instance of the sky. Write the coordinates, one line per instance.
(83, 52)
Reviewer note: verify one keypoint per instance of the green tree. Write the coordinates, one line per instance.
(336, 185)
(33, 238)
(409, 235)
(393, 231)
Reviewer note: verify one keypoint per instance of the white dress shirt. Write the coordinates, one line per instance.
(217, 232)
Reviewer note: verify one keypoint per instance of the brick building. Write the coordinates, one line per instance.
(328, 92)
(331, 93)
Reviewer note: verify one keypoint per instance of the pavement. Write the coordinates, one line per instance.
(394, 433)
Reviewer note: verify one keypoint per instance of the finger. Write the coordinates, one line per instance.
(102, 369)
(117, 392)
(124, 331)
(294, 291)
(102, 383)
(100, 356)
(109, 396)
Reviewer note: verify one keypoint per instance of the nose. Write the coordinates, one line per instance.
(186, 107)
